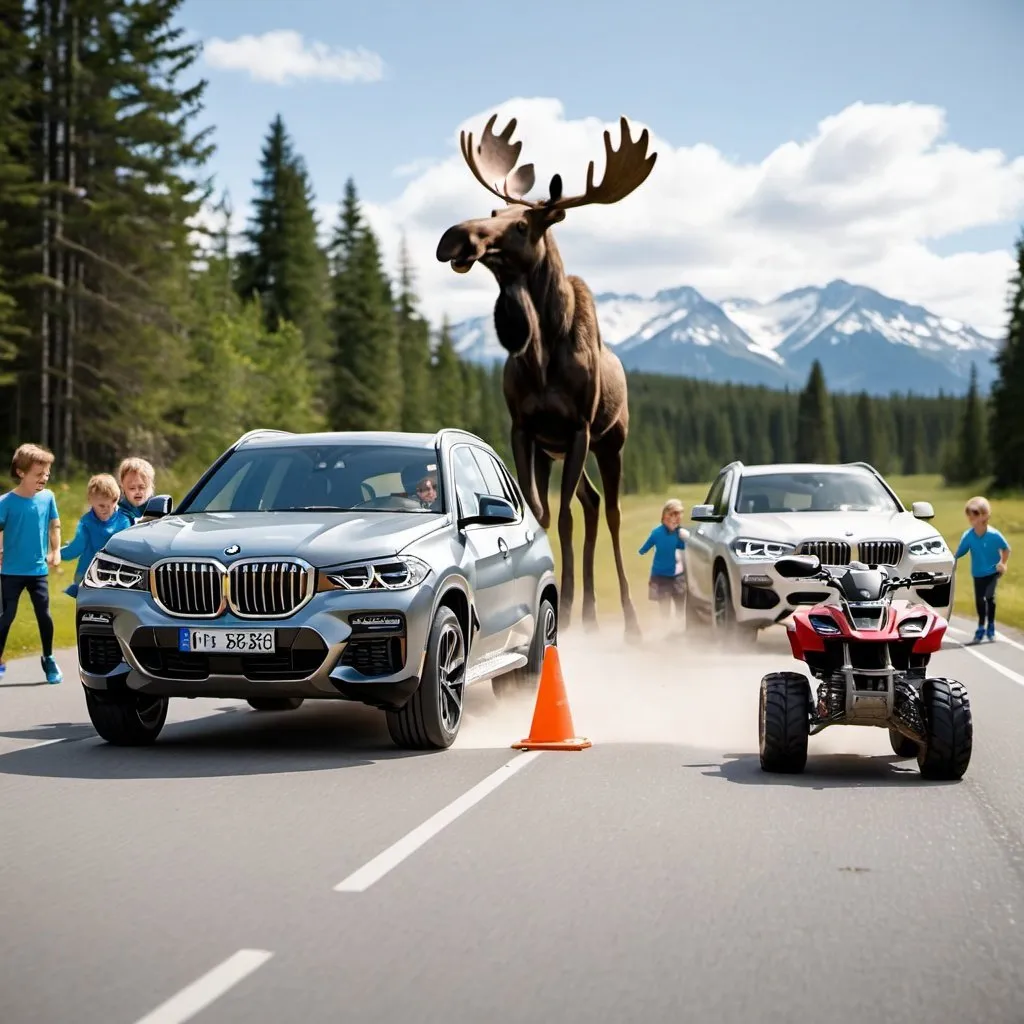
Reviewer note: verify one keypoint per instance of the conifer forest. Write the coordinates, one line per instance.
(125, 331)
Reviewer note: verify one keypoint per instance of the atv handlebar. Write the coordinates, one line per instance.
(808, 567)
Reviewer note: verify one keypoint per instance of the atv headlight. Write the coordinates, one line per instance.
(107, 572)
(398, 573)
(933, 547)
(913, 627)
(745, 547)
(824, 626)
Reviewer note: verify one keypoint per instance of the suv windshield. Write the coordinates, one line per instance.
(328, 478)
(851, 491)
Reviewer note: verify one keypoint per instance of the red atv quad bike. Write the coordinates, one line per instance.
(870, 654)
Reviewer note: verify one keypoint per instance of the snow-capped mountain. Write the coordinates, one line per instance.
(863, 339)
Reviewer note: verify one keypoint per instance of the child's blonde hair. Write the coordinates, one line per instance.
(103, 485)
(28, 455)
(980, 504)
(133, 464)
(670, 506)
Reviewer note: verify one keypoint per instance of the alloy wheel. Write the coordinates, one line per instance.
(451, 674)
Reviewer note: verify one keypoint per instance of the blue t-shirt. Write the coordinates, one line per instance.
(984, 550)
(91, 535)
(666, 543)
(26, 526)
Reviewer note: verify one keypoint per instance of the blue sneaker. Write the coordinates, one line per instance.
(991, 633)
(52, 670)
(3, 670)
(979, 634)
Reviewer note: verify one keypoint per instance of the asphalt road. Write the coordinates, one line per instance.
(246, 867)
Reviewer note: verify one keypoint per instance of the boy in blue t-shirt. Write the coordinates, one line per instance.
(989, 554)
(29, 545)
(668, 580)
(96, 527)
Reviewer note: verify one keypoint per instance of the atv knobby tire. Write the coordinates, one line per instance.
(902, 746)
(950, 730)
(784, 722)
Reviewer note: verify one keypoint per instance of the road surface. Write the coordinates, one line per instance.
(269, 868)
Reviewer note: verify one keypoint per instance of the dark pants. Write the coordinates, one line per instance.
(985, 598)
(668, 590)
(39, 592)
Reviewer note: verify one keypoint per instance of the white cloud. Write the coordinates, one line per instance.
(282, 57)
(860, 199)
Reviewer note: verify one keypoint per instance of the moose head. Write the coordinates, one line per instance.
(512, 241)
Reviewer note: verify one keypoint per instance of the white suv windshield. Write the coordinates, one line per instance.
(849, 491)
(329, 478)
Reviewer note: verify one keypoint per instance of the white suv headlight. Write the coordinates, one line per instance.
(933, 547)
(745, 547)
(109, 573)
(398, 573)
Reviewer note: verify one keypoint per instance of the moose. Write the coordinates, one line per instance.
(565, 389)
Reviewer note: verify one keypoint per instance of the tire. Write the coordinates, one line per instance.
(723, 614)
(431, 717)
(275, 703)
(950, 730)
(525, 680)
(902, 746)
(126, 720)
(784, 722)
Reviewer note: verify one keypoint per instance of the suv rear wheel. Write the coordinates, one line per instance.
(527, 678)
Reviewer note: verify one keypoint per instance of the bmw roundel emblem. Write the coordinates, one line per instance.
(233, 550)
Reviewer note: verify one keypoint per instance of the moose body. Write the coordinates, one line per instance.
(565, 390)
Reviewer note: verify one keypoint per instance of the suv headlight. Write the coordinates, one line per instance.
(933, 547)
(398, 573)
(107, 572)
(744, 547)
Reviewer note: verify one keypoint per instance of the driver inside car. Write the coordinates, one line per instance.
(426, 491)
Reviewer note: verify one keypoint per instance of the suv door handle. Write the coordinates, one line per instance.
(503, 547)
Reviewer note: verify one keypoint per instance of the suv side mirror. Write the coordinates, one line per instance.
(493, 511)
(798, 567)
(704, 514)
(923, 510)
(158, 506)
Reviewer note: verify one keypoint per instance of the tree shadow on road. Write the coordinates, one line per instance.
(246, 742)
(823, 771)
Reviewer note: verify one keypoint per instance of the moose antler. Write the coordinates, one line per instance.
(495, 157)
(626, 168)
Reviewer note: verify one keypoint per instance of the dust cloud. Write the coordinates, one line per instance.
(672, 688)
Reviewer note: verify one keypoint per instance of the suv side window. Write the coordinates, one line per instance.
(493, 477)
(469, 481)
(716, 495)
(722, 504)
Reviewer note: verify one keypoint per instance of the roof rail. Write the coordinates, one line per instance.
(261, 430)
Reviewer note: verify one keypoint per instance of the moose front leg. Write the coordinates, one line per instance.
(522, 454)
(572, 472)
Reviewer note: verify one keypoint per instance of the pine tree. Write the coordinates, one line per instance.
(968, 454)
(1006, 431)
(446, 382)
(414, 349)
(815, 436)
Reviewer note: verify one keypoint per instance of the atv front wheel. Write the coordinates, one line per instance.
(949, 728)
(784, 722)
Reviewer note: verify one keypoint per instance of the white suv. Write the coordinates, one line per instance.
(755, 514)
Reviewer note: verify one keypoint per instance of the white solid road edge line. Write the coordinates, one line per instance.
(1014, 677)
(374, 870)
(203, 991)
(1001, 637)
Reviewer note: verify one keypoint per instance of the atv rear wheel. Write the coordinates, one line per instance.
(902, 746)
(784, 722)
(950, 730)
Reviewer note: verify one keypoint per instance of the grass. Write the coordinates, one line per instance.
(639, 514)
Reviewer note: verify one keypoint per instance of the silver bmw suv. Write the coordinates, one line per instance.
(392, 569)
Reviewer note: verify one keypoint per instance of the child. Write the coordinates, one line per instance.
(989, 555)
(137, 477)
(668, 581)
(29, 543)
(96, 527)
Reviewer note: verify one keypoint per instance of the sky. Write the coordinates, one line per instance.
(798, 141)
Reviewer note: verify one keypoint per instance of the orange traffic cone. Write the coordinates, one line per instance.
(552, 727)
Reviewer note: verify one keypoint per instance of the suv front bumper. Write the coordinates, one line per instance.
(126, 642)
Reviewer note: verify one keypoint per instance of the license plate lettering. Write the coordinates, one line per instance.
(226, 641)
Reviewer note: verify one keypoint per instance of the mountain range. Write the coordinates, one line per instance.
(865, 341)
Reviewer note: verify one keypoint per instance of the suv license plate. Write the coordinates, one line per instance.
(226, 641)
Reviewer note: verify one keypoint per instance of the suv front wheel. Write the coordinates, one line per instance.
(126, 719)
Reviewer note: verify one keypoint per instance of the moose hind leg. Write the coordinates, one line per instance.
(609, 461)
(542, 481)
(590, 499)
